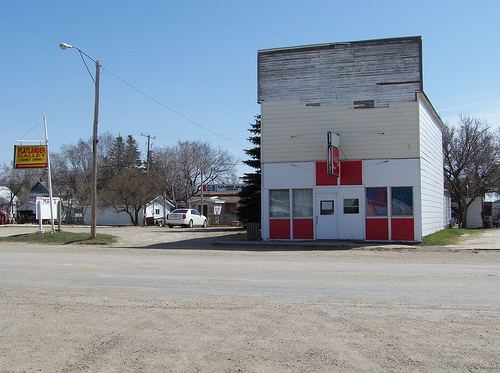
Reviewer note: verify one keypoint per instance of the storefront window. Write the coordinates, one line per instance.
(327, 207)
(279, 203)
(376, 201)
(351, 206)
(402, 201)
(302, 203)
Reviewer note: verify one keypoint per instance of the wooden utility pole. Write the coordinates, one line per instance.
(201, 171)
(93, 224)
(147, 174)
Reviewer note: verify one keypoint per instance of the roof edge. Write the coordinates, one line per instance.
(332, 45)
(421, 94)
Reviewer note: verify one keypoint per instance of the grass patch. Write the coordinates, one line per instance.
(448, 236)
(61, 238)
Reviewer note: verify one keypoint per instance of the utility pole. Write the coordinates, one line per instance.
(147, 173)
(201, 172)
(93, 227)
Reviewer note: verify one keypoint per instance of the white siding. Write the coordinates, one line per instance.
(108, 216)
(474, 219)
(431, 168)
(294, 132)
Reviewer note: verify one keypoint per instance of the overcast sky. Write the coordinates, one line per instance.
(199, 59)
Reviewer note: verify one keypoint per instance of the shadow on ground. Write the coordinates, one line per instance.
(239, 242)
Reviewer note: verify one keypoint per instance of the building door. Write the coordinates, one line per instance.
(327, 211)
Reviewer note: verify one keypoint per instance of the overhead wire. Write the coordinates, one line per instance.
(27, 133)
(130, 85)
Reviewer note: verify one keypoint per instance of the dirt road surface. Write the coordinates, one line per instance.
(152, 307)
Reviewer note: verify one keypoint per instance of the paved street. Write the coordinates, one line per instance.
(131, 308)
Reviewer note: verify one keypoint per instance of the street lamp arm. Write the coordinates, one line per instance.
(82, 53)
(69, 46)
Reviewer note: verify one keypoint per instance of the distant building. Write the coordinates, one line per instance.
(385, 180)
(220, 203)
(155, 212)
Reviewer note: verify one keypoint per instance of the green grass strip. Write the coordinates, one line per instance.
(449, 236)
(61, 238)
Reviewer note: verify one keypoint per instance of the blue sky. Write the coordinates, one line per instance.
(199, 58)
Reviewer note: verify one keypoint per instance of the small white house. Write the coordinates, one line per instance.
(475, 213)
(387, 184)
(156, 210)
(495, 210)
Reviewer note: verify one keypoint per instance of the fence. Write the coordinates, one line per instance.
(223, 219)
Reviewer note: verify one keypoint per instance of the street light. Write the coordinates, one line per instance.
(93, 198)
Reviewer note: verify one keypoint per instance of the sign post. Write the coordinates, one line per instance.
(49, 175)
(39, 213)
(36, 156)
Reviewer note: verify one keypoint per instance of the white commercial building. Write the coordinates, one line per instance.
(388, 182)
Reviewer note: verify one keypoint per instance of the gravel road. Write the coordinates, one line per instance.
(129, 308)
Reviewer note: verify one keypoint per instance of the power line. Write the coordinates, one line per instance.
(130, 85)
(27, 133)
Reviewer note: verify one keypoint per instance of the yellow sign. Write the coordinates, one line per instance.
(30, 156)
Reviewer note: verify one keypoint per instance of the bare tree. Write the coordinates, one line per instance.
(181, 167)
(72, 172)
(20, 182)
(471, 162)
(127, 192)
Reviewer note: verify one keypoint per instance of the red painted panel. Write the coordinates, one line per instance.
(302, 229)
(279, 229)
(322, 177)
(351, 173)
(377, 229)
(402, 229)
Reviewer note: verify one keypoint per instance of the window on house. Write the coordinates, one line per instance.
(279, 203)
(402, 201)
(157, 211)
(376, 201)
(351, 206)
(327, 207)
(302, 203)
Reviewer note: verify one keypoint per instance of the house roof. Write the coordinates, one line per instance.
(39, 188)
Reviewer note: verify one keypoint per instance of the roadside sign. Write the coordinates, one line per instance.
(30, 156)
(217, 209)
(227, 188)
(44, 203)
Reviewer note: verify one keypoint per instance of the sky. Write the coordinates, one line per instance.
(198, 59)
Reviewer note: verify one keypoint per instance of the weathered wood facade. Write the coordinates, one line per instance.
(353, 73)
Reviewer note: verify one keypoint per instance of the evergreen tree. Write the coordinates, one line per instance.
(132, 153)
(249, 208)
(117, 159)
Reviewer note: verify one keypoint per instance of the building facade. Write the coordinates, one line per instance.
(388, 183)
